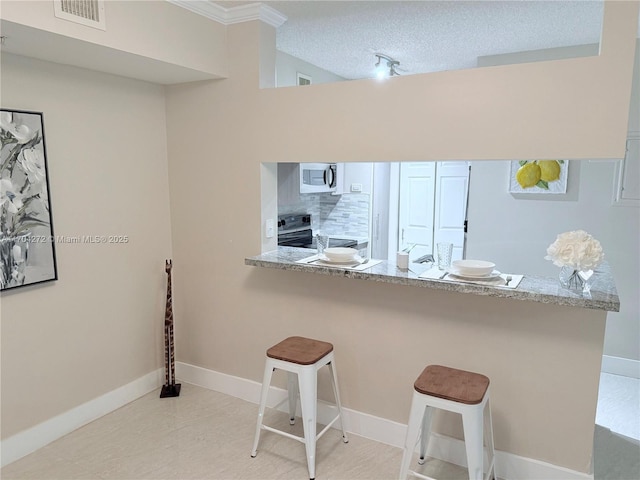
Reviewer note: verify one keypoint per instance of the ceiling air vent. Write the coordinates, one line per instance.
(85, 12)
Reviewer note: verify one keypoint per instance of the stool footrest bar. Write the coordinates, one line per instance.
(419, 475)
(284, 434)
(327, 427)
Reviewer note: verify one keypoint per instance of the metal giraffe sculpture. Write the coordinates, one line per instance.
(170, 389)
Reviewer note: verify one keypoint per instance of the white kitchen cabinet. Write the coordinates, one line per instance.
(354, 177)
(288, 184)
(627, 187)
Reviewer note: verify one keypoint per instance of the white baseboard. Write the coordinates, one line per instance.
(30, 440)
(508, 466)
(620, 366)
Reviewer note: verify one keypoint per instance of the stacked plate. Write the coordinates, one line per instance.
(340, 255)
(475, 269)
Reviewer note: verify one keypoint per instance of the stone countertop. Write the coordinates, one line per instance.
(604, 295)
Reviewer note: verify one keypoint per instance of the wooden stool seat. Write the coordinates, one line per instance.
(300, 350)
(452, 384)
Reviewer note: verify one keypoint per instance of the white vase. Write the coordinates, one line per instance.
(576, 280)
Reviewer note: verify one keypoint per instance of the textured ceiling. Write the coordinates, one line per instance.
(427, 36)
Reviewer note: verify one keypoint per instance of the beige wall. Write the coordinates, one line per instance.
(155, 30)
(228, 314)
(100, 326)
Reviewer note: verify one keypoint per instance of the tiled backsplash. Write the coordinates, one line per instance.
(337, 215)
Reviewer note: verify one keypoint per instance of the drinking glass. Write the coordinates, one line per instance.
(444, 255)
(322, 242)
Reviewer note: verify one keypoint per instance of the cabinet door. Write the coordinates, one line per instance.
(288, 184)
(357, 177)
(627, 191)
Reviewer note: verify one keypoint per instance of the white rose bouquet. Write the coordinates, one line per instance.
(577, 250)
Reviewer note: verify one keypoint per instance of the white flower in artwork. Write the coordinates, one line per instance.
(576, 249)
(17, 276)
(10, 197)
(43, 196)
(21, 133)
(32, 162)
(17, 254)
(6, 120)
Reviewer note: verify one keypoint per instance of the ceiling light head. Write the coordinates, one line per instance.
(388, 70)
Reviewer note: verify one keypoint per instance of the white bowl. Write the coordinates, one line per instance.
(473, 267)
(340, 254)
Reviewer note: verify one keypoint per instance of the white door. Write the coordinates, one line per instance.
(452, 190)
(415, 215)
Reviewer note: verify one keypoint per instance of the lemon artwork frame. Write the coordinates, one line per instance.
(542, 176)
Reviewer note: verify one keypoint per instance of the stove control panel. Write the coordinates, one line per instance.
(293, 222)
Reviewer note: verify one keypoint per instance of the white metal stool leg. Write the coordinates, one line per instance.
(266, 382)
(425, 434)
(415, 421)
(292, 389)
(308, 404)
(336, 394)
(488, 436)
(472, 420)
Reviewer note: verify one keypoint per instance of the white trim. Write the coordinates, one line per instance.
(255, 11)
(207, 9)
(515, 467)
(508, 465)
(620, 366)
(30, 440)
(229, 16)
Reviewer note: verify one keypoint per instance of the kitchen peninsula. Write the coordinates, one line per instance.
(533, 288)
(540, 345)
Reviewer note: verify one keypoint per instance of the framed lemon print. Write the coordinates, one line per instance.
(538, 176)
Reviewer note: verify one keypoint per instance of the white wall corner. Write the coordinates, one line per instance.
(229, 16)
(36, 437)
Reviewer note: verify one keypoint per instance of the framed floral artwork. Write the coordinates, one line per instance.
(27, 243)
(538, 176)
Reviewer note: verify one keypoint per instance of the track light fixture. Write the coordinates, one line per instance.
(388, 70)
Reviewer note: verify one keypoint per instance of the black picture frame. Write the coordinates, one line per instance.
(27, 241)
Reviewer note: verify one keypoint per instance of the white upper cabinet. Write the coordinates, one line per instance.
(355, 177)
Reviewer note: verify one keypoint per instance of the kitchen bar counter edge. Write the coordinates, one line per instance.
(604, 295)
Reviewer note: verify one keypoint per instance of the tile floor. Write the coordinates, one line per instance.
(619, 405)
(208, 435)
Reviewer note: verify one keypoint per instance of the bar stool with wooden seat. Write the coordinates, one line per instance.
(457, 391)
(301, 358)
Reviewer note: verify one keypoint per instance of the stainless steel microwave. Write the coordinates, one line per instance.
(318, 177)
